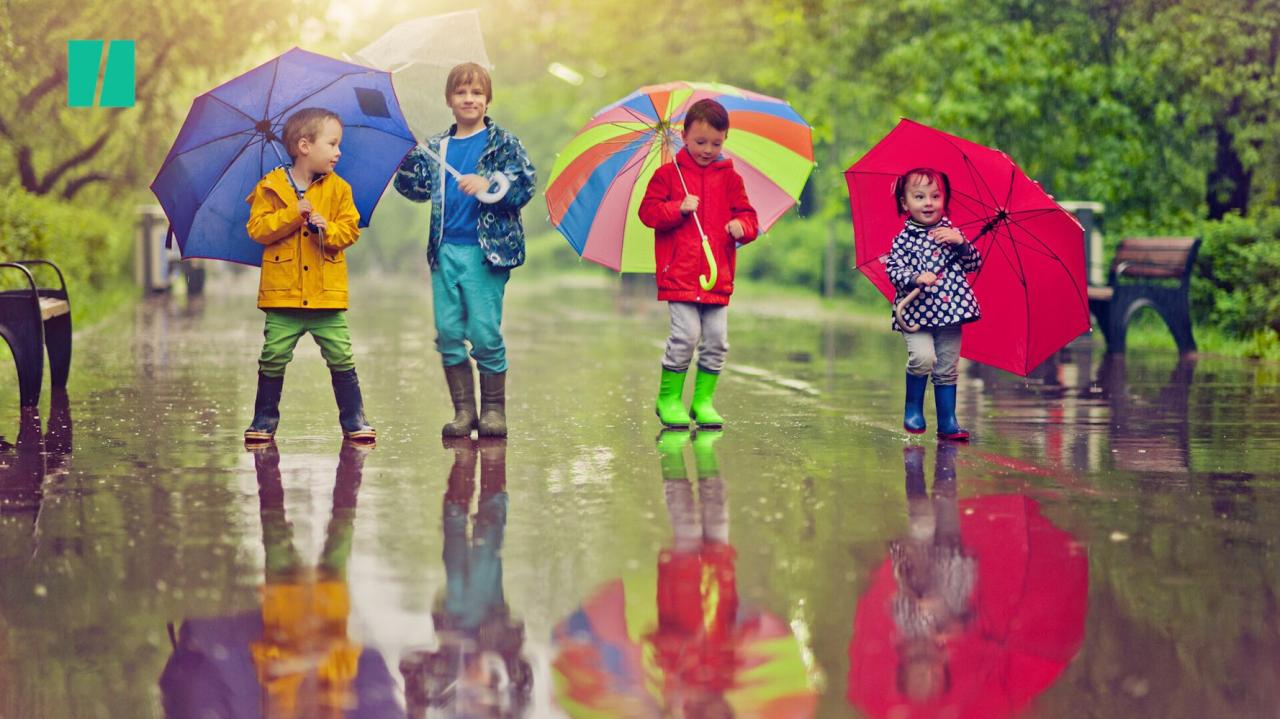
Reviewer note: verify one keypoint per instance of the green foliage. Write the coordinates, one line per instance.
(90, 246)
(1237, 283)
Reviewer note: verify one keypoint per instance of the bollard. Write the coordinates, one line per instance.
(150, 258)
(1089, 214)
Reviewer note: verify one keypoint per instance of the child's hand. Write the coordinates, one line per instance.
(689, 205)
(317, 219)
(947, 236)
(734, 228)
(304, 208)
(924, 279)
(473, 184)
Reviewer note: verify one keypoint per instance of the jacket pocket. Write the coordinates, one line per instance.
(279, 268)
(335, 272)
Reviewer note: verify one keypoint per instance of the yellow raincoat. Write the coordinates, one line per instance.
(296, 272)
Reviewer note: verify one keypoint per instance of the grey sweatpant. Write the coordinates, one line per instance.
(694, 323)
(936, 351)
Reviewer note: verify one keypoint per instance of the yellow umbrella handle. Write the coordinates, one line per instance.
(897, 311)
(708, 283)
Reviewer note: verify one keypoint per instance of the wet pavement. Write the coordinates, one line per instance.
(1105, 547)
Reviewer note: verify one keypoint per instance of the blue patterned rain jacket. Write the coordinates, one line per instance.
(500, 230)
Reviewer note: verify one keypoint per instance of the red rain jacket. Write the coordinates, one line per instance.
(677, 247)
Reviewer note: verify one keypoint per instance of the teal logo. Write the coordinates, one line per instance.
(85, 67)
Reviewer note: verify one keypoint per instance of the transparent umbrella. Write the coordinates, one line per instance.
(419, 53)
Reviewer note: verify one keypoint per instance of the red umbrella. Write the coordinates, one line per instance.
(1032, 283)
(1025, 620)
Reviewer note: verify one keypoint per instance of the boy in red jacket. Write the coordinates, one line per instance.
(696, 202)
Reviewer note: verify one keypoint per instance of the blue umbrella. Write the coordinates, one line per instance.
(231, 138)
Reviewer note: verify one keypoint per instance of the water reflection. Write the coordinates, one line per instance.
(478, 668)
(1095, 418)
(31, 458)
(292, 656)
(678, 642)
(978, 609)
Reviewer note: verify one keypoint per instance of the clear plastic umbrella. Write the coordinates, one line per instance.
(419, 53)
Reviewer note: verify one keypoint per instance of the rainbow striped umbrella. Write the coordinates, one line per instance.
(599, 179)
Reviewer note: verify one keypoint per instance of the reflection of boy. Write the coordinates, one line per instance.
(305, 663)
(935, 577)
(695, 640)
(478, 669)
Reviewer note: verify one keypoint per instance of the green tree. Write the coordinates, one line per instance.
(56, 150)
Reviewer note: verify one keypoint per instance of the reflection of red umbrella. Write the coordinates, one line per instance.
(656, 646)
(1027, 620)
(1032, 284)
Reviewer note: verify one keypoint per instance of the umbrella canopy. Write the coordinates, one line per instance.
(600, 177)
(1031, 287)
(211, 673)
(420, 53)
(231, 138)
(613, 657)
(1027, 619)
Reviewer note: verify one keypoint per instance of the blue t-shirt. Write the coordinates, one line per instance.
(462, 211)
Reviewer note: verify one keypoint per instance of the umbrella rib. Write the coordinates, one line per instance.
(248, 133)
(231, 107)
(313, 93)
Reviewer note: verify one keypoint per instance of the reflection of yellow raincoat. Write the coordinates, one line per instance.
(306, 664)
(295, 272)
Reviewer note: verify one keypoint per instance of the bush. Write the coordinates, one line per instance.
(91, 248)
(1236, 285)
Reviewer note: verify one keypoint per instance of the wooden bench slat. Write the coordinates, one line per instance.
(1101, 293)
(51, 307)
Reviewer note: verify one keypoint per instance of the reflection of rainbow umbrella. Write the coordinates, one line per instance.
(599, 179)
(1028, 612)
(608, 661)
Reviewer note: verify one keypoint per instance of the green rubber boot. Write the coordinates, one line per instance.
(671, 444)
(704, 453)
(670, 407)
(700, 409)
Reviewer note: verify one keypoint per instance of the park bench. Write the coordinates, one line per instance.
(1150, 272)
(32, 318)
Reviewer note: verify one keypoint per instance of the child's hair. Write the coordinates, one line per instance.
(921, 174)
(465, 74)
(305, 123)
(708, 111)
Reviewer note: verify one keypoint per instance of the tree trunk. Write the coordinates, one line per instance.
(1228, 182)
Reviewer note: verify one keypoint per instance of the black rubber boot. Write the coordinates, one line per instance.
(462, 390)
(266, 410)
(493, 405)
(346, 390)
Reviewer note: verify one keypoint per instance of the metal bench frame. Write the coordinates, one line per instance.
(32, 319)
(1134, 284)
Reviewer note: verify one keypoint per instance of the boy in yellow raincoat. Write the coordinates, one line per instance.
(305, 218)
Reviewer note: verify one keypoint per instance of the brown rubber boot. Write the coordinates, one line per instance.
(493, 405)
(462, 390)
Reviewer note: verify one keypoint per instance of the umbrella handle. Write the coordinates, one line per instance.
(708, 283)
(487, 197)
(897, 311)
(504, 184)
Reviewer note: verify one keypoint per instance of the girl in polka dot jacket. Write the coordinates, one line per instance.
(932, 256)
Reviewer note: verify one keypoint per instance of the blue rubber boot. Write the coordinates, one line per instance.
(913, 411)
(266, 410)
(346, 391)
(944, 396)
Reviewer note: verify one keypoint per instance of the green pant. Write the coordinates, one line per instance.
(285, 327)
